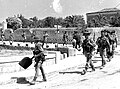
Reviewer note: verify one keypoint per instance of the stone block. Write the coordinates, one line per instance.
(72, 52)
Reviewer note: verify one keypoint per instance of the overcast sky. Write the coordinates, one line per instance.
(55, 8)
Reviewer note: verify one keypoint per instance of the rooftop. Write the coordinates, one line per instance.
(106, 10)
(109, 9)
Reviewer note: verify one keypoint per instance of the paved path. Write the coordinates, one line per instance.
(107, 78)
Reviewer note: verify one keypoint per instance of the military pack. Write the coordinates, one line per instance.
(88, 45)
(103, 42)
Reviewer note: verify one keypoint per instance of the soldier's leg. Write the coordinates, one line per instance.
(109, 54)
(91, 63)
(36, 72)
(79, 45)
(76, 45)
(87, 64)
(42, 71)
(102, 54)
(113, 50)
(43, 44)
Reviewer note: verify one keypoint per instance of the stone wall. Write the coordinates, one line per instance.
(52, 32)
(97, 31)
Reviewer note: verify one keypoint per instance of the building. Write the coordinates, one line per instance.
(102, 18)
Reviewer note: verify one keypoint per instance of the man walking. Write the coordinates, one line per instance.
(65, 38)
(88, 47)
(45, 37)
(103, 44)
(39, 59)
(77, 37)
(113, 41)
(109, 48)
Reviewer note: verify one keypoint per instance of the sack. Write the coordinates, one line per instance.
(25, 62)
(112, 39)
(87, 46)
(41, 57)
(103, 42)
(35, 52)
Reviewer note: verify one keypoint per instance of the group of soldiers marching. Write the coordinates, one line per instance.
(106, 45)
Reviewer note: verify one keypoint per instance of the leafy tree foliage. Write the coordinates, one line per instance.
(74, 21)
(25, 22)
(13, 22)
(49, 22)
(34, 22)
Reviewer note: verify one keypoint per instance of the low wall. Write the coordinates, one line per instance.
(52, 32)
(13, 66)
(97, 31)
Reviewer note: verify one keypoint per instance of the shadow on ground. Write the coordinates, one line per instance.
(20, 80)
(71, 72)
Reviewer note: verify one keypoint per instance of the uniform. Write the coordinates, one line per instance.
(113, 42)
(77, 37)
(74, 43)
(109, 50)
(45, 36)
(39, 59)
(24, 36)
(103, 44)
(65, 38)
(88, 46)
(11, 38)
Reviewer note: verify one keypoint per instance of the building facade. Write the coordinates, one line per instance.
(105, 17)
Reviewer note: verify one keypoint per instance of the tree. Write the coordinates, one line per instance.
(78, 21)
(13, 22)
(49, 22)
(25, 22)
(74, 21)
(35, 22)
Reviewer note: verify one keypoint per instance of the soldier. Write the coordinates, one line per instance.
(39, 59)
(65, 38)
(2, 36)
(113, 42)
(24, 36)
(77, 37)
(11, 37)
(88, 46)
(115, 37)
(74, 43)
(45, 36)
(103, 44)
(33, 36)
(109, 49)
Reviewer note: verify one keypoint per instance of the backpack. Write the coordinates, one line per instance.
(112, 39)
(87, 45)
(103, 42)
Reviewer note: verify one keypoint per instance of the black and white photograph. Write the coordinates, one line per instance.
(59, 44)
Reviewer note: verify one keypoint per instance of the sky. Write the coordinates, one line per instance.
(55, 8)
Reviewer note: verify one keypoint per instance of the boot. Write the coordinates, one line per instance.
(84, 72)
(34, 78)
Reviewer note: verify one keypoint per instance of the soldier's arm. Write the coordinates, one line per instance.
(108, 42)
(83, 45)
(97, 42)
(92, 43)
(116, 41)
